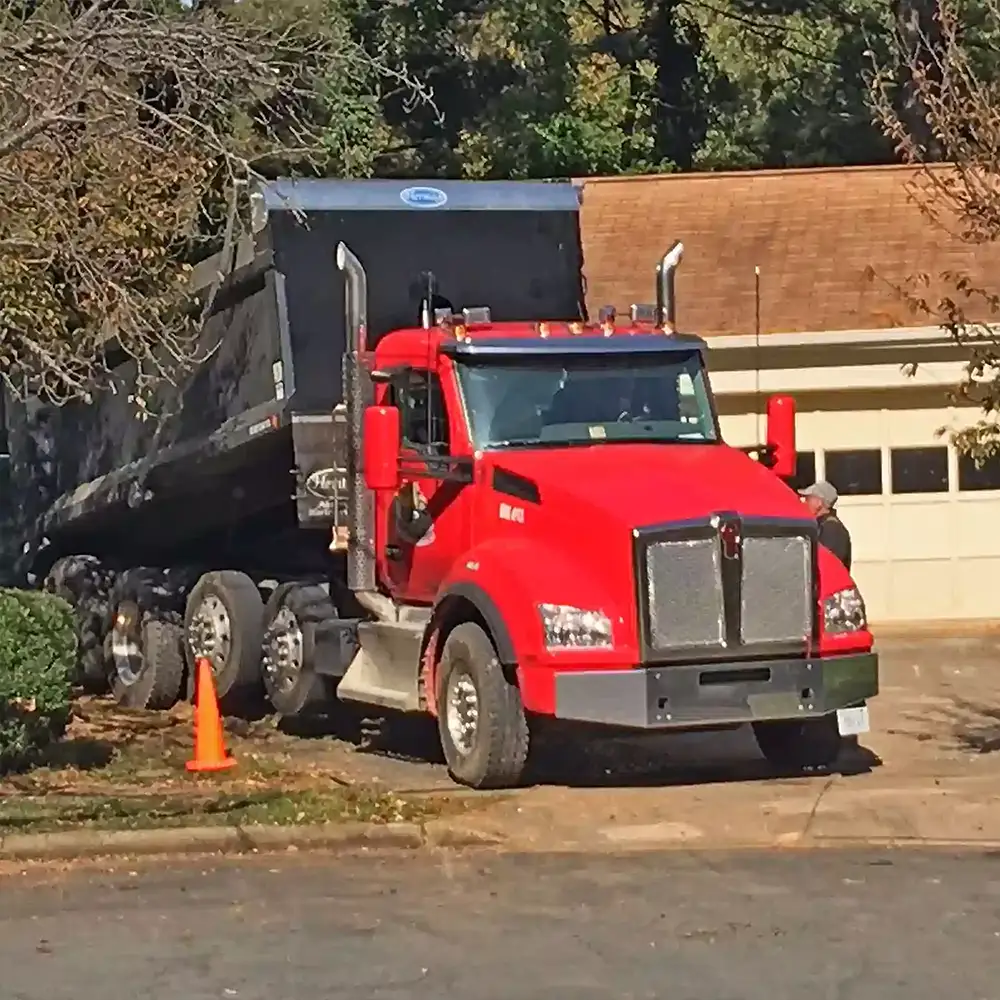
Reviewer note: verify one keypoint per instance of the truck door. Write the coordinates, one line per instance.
(423, 524)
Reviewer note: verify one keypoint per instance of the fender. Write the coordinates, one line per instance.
(485, 605)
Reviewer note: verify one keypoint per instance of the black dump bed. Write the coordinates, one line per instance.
(223, 467)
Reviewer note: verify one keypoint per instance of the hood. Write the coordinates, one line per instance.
(644, 484)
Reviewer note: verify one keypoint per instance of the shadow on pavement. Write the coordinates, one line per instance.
(976, 727)
(656, 762)
(582, 762)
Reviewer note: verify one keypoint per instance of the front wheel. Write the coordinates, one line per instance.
(800, 744)
(481, 719)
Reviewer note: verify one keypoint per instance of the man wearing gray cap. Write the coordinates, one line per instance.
(821, 499)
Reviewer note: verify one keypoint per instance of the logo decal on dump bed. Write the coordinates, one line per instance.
(423, 197)
(327, 484)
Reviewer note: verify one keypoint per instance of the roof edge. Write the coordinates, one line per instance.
(766, 172)
(836, 338)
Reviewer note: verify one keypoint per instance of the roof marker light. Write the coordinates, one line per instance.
(606, 317)
(476, 314)
(642, 314)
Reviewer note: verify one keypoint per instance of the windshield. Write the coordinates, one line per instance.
(587, 400)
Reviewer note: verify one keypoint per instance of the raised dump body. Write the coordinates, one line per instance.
(246, 451)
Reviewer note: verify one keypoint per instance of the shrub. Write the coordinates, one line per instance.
(37, 659)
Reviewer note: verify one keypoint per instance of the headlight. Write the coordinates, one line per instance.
(567, 627)
(844, 612)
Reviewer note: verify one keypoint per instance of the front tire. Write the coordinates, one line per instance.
(793, 745)
(481, 719)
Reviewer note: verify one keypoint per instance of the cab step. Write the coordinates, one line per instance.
(385, 670)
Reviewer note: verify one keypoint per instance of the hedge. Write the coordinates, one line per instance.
(37, 660)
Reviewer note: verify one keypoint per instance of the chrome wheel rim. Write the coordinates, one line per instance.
(210, 634)
(283, 651)
(126, 643)
(462, 712)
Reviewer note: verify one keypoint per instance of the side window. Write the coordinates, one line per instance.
(985, 476)
(919, 470)
(424, 422)
(855, 473)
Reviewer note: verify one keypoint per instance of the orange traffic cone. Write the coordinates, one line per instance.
(209, 748)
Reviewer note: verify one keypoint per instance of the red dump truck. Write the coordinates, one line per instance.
(494, 512)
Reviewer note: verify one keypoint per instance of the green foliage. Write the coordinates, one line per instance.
(788, 83)
(552, 88)
(522, 89)
(37, 658)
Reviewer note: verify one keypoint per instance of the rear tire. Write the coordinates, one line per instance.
(481, 719)
(79, 581)
(224, 621)
(288, 660)
(148, 672)
(793, 745)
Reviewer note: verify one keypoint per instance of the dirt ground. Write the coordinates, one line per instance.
(936, 732)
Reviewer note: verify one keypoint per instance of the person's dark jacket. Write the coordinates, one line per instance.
(835, 537)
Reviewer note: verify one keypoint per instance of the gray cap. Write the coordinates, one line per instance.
(822, 491)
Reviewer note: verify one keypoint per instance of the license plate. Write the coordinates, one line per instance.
(853, 721)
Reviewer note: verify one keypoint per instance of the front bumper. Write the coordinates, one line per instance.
(685, 696)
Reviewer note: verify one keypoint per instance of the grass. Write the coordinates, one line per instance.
(120, 769)
(54, 812)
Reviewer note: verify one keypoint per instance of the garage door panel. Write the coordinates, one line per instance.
(740, 429)
(868, 524)
(922, 530)
(917, 586)
(975, 520)
(854, 429)
(975, 584)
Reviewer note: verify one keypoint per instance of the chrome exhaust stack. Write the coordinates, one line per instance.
(666, 299)
(358, 393)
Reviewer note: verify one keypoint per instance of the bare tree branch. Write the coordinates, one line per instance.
(940, 101)
(129, 132)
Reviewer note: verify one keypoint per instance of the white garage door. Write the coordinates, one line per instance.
(922, 519)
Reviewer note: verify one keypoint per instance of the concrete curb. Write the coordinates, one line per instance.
(78, 844)
(74, 845)
(786, 845)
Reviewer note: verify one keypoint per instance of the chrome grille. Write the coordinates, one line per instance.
(776, 602)
(684, 579)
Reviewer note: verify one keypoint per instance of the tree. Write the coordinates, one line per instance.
(522, 88)
(129, 133)
(938, 101)
(785, 82)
